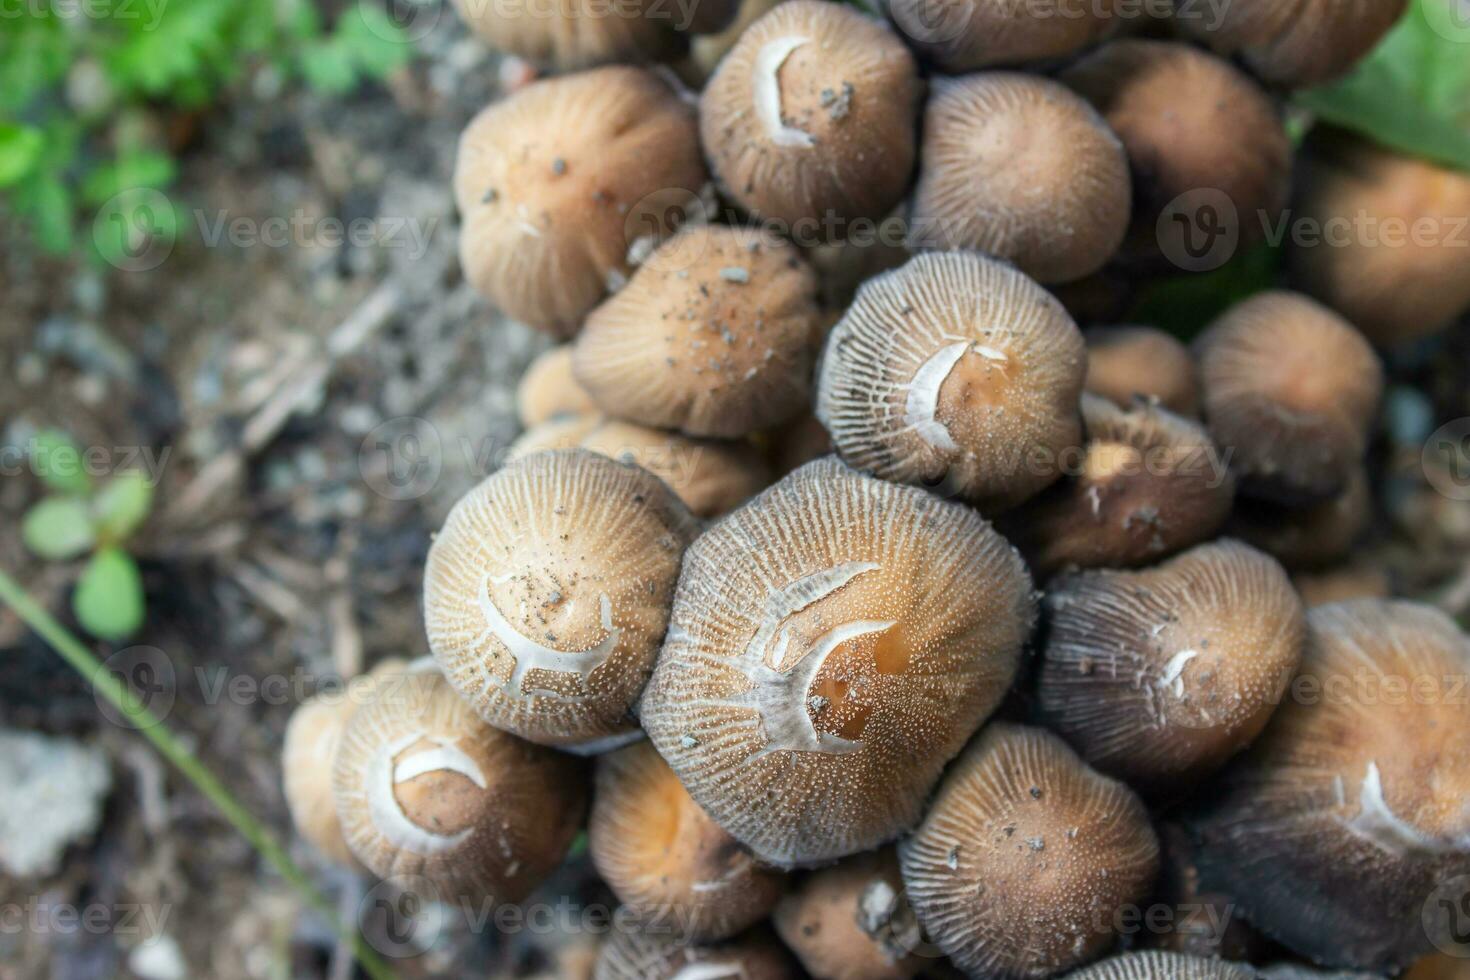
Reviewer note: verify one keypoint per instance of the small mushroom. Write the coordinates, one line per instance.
(1180, 113)
(1309, 536)
(809, 120)
(1290, 393)
(1392, 255)
(1291, 43)
(963, 35)
(714, 336)
(1338, 825)
(1158, 677)
(852, 921)
(1026, 857)
(710, 476)
(557, 182)
(955, 370)
(1020, 167)
(1160, 965)
(547, 592)
(658, 952)
(1353, 580)
(1127, 363)
(821, 667)
(1149, 484)
(572, 34)
(425, 788)
(548, 390)
(663, 856)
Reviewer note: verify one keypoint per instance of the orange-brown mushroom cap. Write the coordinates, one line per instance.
(557, 182)
(547, 390)
(833, 644)
(1127, 363)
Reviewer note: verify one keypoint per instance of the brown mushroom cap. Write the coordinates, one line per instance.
(1337, 827)
(1159, 676)
(548, 390)
(657, 953)
(1365, 199)
(1148, 483)
(1180, 113)
(571, 34)
(1127, 363)
(1354, 580)
(1292, 43)
(663, 856)
(810, 118)
(1026, 857)
(1309, 536)
(822, 667)
(1159, 965)
(1021, 168)
(955, 369)
(556, 182)
(425, 788)
(852, 922)
(1290, 393)
(963, 35)
(714, 336)
(547, 592)
(710, 476)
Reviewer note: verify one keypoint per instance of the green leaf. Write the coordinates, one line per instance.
(108, 600)
(48, 204)
(378, 46)
(58, 528)
(122, 505)
(327, 67)
(58, 462)
(1184, 304)
(1412, 93)
(135, 170)
(20, 148)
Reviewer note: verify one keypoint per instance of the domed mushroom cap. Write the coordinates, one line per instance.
(710, 476)
(548, 390)
(1375, 198)
(425, 788)
(852, 922)
(1026, 856)
(714, 335)
(1353, 807)
(1021, 168)
(663, 856)
(821, 667)
(547, 592)
(1293, 43)
(810, 118)
(658, 953)
(556, 182)
(963, 35)
(954, 369)
(1159, 676)
(1353, 580)
(1308, 536)
(1180, 113)
(1290, 392)
(1148, 484)
(570, 34)
(1159, 965)
(1125, 364)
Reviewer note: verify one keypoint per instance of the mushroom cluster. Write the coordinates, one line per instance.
(921, 620)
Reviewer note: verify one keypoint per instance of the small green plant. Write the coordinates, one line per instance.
(80, 518)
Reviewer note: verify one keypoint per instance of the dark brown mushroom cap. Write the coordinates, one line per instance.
(1127, 363)
(809, 120)
(1292, 43)
(1159, 965)
(1021, 168)
(1309, 536)
(658, 952)
(555, 183)
(1180, 113)
(1147, 484)
(963, 35)
(1333, 832)
(1290, 393)
(852, 922)
(1026, 857)
(1159, 676)
(955, 370)
(425, 788)
(547, 390)
(1365, 199)
(821, 665)
(714, 335)
(572, 34)
(547, 592)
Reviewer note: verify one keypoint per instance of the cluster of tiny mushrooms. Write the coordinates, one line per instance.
(907, 621)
